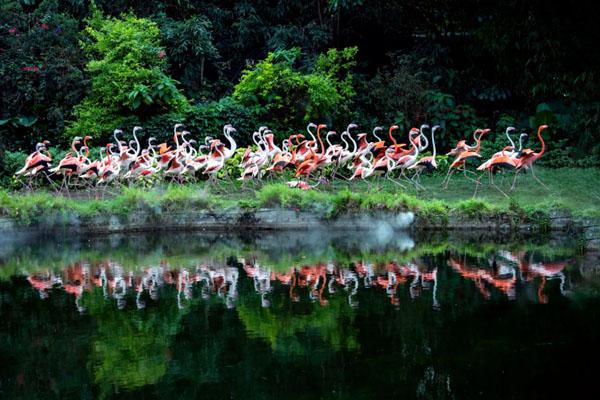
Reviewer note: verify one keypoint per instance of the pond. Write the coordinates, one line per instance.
(296, 315)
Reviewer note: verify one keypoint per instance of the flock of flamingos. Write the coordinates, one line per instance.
(357, 158)
(316, 282)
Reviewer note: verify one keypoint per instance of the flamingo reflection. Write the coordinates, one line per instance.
(315, 282)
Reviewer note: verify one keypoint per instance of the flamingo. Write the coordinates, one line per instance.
(503, 160)
(468, 153)
(229, 152)
(497, 162)
(345, 155)
(110, 169)
(69, 164)
(89, 169)
(36, 161)
(128, 155)
(406, 161)
(214, 165)
(312, 163)
(284, 159)
(462, 146)
(427, 163)
(528, 157)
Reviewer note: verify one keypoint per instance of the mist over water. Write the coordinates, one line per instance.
(372, 314)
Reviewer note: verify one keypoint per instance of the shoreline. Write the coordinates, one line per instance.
(586, 230)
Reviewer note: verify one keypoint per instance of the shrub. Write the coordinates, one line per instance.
(396, 94)
(11, 162)
(41, 72)
(209, 119)
(127, 67)
(276, 90)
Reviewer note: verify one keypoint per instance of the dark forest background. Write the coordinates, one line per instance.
(72, 67)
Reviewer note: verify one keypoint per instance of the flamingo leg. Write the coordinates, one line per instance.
(496, 186)
(477, 186)
(515, 180)
(388, 177)
(538, 179)
(447, 178)
(50, 180)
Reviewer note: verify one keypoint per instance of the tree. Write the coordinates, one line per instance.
(127, 68)
(190, 48)
(41, 72)
(284, 94)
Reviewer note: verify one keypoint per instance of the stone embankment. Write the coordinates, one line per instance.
(585, 229)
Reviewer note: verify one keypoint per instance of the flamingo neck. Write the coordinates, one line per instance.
(311, 134)
(433, 142)
(327, 139)
(232, 143)
(416, 147)
(137, 143)
(354, 147)
(509, 138)
(117, 140)
(347, 145)
(391, 136)
(479, 142)
(539, 133)
(320, 141)
(520, 145)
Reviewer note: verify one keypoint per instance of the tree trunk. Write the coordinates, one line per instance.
(202, 70)
(319, 11)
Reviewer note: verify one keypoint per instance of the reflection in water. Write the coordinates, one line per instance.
(506, 269)
(116, 283)
(331, 316)
(503, 271)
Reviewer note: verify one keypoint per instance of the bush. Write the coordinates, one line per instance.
(11, 162)
(127, 66)
(41, 72)
(397, 94)
(209, 119)
(277, 91)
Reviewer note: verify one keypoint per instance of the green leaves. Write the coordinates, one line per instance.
(127, 69)
(19, 121)
(279, 90)
(543, 116)
(458, 121)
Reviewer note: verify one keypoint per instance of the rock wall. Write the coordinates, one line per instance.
(381, 222)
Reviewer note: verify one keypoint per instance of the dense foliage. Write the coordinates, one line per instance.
(126, 68)
(275, 91)
(72, 67)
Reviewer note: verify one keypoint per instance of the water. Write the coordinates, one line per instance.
(291, 315)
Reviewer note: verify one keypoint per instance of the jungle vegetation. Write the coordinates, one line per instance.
(83, 67)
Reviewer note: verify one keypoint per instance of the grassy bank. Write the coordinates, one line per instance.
(576, 191)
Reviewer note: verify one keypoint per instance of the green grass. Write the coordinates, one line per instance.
(577, 190)
(573, 190)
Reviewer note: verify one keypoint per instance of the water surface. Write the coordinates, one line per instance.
(295, 315)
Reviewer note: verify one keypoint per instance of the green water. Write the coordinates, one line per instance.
(290, 315)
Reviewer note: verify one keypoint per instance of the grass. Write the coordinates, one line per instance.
(573, 190)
